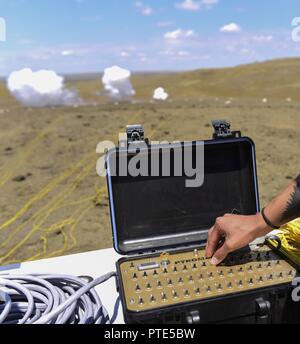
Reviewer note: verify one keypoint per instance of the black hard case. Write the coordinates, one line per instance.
(269, 305)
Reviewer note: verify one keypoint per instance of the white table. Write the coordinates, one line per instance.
(94, 264)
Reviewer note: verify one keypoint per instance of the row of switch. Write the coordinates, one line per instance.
(197, 292)
(230, 284)
(220, 273)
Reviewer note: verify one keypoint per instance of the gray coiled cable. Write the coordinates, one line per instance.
(51, 299)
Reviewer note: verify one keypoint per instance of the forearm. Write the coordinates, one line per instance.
(285, 207)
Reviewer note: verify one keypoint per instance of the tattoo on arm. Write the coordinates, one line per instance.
(292, 210)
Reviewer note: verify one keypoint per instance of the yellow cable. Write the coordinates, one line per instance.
(51, 208)
(64, 193)
(50, 186)
(45, 191)
(24, 154)
(290, 239)
(56, 202)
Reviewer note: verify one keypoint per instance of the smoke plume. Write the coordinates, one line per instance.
(160, 94)
(40, 89)
(117, 84)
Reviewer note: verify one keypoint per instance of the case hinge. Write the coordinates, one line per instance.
(263, 308)
(193, 318)
(223, 130)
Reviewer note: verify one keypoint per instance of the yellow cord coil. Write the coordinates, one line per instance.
(290, 239)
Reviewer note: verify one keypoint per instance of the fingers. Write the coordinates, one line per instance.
(214, 236)
(220, 255)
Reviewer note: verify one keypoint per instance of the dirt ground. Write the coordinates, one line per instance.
(52, 202)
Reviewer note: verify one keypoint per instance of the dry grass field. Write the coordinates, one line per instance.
(52, 202)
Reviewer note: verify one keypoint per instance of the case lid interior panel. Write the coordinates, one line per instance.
(153, 213)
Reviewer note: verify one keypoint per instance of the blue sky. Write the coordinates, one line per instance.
(74, 36)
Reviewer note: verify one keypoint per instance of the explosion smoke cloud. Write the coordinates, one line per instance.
(40, 89)
(117, 84)
(160, 94)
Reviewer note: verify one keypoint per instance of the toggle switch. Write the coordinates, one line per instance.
(180, 280)
(141, 301)
(152, 299)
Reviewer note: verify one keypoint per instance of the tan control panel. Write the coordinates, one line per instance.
(176, 278)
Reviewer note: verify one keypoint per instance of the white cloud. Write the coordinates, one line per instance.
(167, 53)
(124, 54)
(192, 5)
(183, 53)
(143, 9)
(230, 48)
(189, 5)
(247, 52)
(143, 57)
(263, 38)
(147, 11)
(161, 54)
(232, 27)
(174, 53)
(164, 23)
(209, 3)
(67, 53)
(179, 34)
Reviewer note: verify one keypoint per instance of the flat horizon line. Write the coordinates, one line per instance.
(166, 71)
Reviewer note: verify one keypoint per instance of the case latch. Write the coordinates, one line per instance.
(135, 133)
(223, 130)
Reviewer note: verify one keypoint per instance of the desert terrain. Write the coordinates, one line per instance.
(52, 203)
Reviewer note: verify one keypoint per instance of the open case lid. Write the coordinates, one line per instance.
(156, 213)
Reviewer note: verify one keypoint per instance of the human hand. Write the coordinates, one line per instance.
(237, 232)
